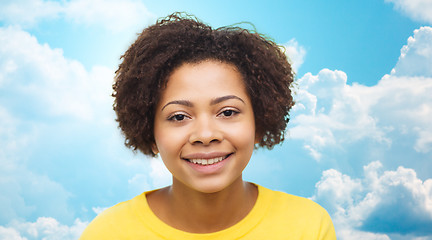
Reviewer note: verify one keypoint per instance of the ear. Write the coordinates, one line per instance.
(155, 150)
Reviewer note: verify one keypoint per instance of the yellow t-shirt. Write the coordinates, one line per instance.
(276, 215)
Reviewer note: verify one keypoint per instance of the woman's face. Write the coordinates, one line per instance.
(204, 126)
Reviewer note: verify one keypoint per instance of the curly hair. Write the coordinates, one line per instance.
(178, 39)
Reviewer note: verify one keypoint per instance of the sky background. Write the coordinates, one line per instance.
(359, 141)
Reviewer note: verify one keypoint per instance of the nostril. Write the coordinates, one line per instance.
(205, 134)
(197, 142)
(205, 142)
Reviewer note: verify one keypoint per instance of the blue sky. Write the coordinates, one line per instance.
(359, 141)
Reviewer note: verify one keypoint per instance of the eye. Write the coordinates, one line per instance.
(177, 117)
(228, 113)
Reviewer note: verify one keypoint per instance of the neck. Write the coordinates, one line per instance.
(193, 211)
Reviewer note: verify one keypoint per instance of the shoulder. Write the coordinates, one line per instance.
(300, 215)
(111, 221)
(297, 204)
(282, 200)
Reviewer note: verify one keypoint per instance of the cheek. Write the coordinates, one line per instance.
(243, 135)
(168, 149)
(169, 141)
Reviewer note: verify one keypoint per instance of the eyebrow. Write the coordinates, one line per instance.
(213, 101)
(179, 102)
(224, 98)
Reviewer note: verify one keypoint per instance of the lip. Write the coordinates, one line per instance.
(211, 168)
(208, 155)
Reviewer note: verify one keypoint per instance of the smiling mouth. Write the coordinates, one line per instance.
(209, 161)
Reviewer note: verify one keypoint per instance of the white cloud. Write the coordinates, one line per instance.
(44, 228)
(140, 182)
(415, 58)
(28, 12)
(340, 197)
(372, 207)
(51, 106)
(99, 210)
(348, 233)
(153, 174)
(396, 111)
(403, 104)
(419, 10)
(159, 174)
(24, 193)
(295, 52)
(112, 15)
(330, 113)
(10, 140)
(10, 234)
(40, 91)
(61, 86)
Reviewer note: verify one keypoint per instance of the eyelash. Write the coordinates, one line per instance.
(232, 112)
(226, 113)
(176, 115)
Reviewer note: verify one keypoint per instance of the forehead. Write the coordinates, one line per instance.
(205, 79)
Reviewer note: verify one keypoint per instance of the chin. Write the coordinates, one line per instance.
(211, 191)
(210, 187)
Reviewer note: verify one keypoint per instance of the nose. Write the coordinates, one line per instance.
(205, 132)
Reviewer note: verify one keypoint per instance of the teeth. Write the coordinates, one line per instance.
(207, 161)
